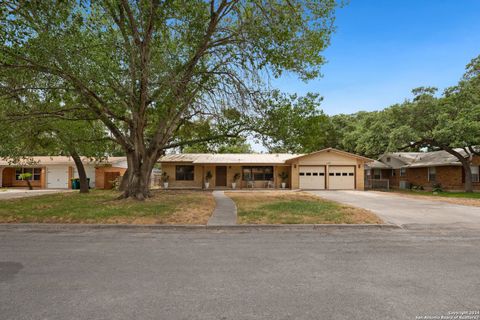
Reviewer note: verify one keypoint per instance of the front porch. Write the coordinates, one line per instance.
(236, 177)
(227, 176)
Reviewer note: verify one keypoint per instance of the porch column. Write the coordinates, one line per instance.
(275, 177)
(1, 176)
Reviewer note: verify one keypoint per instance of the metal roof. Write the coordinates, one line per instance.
(229, 158)
(56, 160)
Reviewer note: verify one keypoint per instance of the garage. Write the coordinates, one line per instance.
(341, 177)
(90, 171)
(57, 177)
(312, 177)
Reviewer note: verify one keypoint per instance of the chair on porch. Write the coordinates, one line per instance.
(270, 184)
(250, 184)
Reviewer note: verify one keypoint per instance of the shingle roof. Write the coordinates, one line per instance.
(377, 165)
(406, 157)
(426, 159)
(58, 160)
(436, 158)
(229, 158)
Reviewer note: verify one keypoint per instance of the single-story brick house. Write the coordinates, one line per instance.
(55, 172)
(406, 169)
(325, 169)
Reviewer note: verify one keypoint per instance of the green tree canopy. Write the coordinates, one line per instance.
(145, 68)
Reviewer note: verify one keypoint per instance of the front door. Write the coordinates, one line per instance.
(221, 176)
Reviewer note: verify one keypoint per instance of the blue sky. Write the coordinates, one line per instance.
(384, 48)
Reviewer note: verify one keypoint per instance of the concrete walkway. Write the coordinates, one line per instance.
(225, 212)
(407, 211)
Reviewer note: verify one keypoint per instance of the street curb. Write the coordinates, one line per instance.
(184, 227)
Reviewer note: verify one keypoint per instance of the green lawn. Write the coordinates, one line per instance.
(295, 208)
(100, 206)
(465, 195)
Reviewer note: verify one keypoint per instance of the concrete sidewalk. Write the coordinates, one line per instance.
(225, 213)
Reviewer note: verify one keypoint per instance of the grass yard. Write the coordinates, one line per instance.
(463, 198)
(295, 208)
(100, 206)
(464, 195)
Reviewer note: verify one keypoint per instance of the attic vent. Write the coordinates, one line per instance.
(388, 159)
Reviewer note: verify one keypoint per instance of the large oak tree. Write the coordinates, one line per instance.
(146, 67)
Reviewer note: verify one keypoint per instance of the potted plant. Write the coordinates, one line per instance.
(208, 176)
(236, 177)
(165, 178)
(26, 177)
(283, 176)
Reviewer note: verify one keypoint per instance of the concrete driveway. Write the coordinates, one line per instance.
(23, 193)
(407, 212)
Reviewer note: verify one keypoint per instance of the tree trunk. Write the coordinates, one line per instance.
(138, 179)
(124, 183)
(468, 176)
(82, 175)
(466, 167)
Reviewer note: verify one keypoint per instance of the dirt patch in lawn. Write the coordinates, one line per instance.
(296, 208)
(101, 206)
(452, 200)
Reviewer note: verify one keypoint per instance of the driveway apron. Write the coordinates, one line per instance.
(225, 212)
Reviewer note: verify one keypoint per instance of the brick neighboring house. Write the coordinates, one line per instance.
(56, 172)
(406, 169)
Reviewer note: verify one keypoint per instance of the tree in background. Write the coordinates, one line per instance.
(294, 124)
(364, 133)
(45, 130)
(447, 123)
(145, 68)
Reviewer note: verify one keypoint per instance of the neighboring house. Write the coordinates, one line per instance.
(56, 172)
(426, 169)
(325, 169)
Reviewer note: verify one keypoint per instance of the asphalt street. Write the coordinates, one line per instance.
(153, 274)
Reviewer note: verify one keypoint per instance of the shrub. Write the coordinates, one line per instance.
(437, 187)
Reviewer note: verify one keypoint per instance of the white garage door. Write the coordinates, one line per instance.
(57, 177)
(90, 171)
(312, 177)
(341, 177)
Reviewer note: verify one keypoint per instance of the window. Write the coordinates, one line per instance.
(350, 174)
(393, 173)
(184, 173)
(388, 159)
(315, 173)
(302, 173)
(258, 173)
(403, 172)
(331, 174)
(377, 174)
(475, 174)
(322, 174)
(432, 174)
(338, 174)
(35, 172)
(344, 174)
